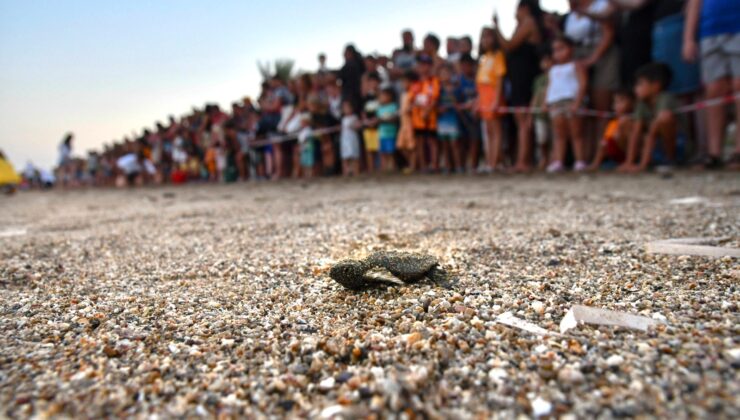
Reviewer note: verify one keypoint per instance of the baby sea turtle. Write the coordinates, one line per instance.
(388, 267)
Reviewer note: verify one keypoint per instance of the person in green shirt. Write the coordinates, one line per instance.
(387, 128)
(655, 118)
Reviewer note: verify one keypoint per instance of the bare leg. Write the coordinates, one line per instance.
(421, 158)
(278, 166)
(498, 136)
(560, 138)
(602, 100)
(575, 124)
(667, 131)
(474, 154)
(433, 143)
(493, 129)
(455, 146)
(524, 142)
(716, 117)
(598, 159)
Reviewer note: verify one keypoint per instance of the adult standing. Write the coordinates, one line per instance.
(664, 19)
(717, 24)
(65, 158)
(523, 67)
(404, 58)
(595, 47)
(351, 76)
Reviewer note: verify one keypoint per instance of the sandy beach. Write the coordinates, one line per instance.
(216, 301)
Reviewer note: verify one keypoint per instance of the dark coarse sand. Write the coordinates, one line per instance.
(216, 300)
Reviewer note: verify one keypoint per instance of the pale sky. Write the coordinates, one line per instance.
(103, 69)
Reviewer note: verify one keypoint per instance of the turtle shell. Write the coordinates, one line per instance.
(350, 274)
(407, 266)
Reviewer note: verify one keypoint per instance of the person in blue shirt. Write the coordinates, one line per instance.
(712, 33)
(448, 125)
(466, 95)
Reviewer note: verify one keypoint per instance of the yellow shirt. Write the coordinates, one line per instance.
(492, 66)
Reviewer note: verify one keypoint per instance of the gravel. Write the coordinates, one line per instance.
(216, 300)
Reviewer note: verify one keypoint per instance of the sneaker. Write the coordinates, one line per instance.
(580, 166)
(555, 167)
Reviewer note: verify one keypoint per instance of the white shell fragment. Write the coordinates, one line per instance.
(586, 315)
(692, 247)
(509, 319)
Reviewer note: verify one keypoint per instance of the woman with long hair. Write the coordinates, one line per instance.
(523, 67)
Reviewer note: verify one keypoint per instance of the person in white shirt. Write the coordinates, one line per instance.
(134, 167)
(349, 141)
(566, 89)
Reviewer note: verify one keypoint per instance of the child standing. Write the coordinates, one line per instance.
(655, 119)
(448, 125)
(307, 144)
(405, 142)
(349, 141)
(489, 81)
(387, 128)
(466, 96)
(613, 146)
(566, 88)
(370, 120)
(424, 96)
(539, 119)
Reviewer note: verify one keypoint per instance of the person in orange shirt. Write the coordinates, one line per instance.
(613, 146)
(489, 81)
(424, 94)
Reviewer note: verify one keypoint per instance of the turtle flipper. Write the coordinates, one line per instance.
(381, 275)
(440, 277)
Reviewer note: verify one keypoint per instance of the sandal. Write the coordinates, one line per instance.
(734, 161)
(712, 163)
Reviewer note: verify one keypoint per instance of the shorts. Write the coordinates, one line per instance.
(659, 157)
(604, 74)
(256, 157)
(131, 177)
(541, 131)
(372, 140)
(469, 127)
(308, 159)
(561, 109)
(486, 99)
(612, 151)
(448, 131)
(387, 145)
(423, 135)
(667, 45)
(720, 57)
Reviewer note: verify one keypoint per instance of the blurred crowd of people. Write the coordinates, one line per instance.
(600, 87)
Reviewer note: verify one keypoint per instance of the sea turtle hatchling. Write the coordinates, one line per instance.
(388, 267)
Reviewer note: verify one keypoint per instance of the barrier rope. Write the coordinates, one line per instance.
(709, 103)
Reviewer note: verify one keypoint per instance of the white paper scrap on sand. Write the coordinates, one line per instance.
(579, 314)
(689, 200)
(699, 247)
(507, 318)
(10, 232)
